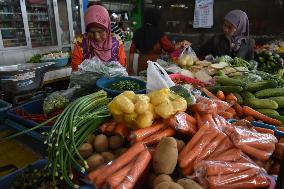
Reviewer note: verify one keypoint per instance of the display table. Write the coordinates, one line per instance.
(57, 74)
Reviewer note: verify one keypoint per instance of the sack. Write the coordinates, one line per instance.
(157, 77)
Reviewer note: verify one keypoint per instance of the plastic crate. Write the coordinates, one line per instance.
(4, 107)
(59, 62)
(7, 180)
(34, 107)
(105, 82)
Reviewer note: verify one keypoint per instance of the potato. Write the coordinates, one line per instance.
(141, 106)
(162, 178)
(114, 108)
(101, 143)
(120, 151)
(94, 161)
(180, 145)
(168, 185)
(165, 110)
(129, 94)
(86, 150)
(124, 104)
(90, 139)
(115, 142)
(189, 184)
(145, 120)
(165, 156)
(108, 156)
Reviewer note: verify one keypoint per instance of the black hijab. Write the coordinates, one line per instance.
(149, 34)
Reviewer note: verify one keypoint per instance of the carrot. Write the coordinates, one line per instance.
(249, 118)
(188, 170)
(279, 151)
(210, 148)
(180, 123)
(193, 142)
(198, 120)
(94, 174)
(120, 162)
(221, 95)
(265, 145)
(190, 119)
(251, 112)
(220, 121)
(281, 129)
(208, 93)
(226, 115)
(137, 170)
(208, 119)
(281, 140)
(121, 130)
(231, 99)
(233, 154)
(232, 111)
(258, 181)
(156, 137)
(223, 147)
(221, 180)
(238, 109)
(192, 154)
(140, 134)
(254, 152)
(264, 130)
(115, 179)
(107, 124)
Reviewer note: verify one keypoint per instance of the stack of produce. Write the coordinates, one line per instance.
(270, 62)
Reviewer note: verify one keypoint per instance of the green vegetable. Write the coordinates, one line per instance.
(266, 93)
(239, 97)
(260, 85)
(247, 95)
(279, 100)
(56, 101)
(185, 93)
(226, 81)
(238, 62)
(225, 58)
(260, 103)
(268, 112)
(35, 59)
(225, 89)
(125, 85)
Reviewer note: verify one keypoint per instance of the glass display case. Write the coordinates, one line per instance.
(11, 24)
(41, 23)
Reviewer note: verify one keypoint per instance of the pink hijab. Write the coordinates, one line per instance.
(98, 16)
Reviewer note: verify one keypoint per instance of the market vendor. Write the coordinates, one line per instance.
(98, 40)
(235, 40)
(149, 42)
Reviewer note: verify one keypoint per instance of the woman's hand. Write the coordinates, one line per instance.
(182, 44)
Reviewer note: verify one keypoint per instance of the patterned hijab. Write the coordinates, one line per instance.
(240, 21)
(97, 15)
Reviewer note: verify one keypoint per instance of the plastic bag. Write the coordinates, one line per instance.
(206, 105)
(157, 77)
(182, 123)
(257, 145)
(187, 58)
(58, 100)
(92, 69)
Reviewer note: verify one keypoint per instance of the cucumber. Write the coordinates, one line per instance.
(247, 95)
(226, 81)
(268, 112)
(239, 97)
(280, 111)
(261, 85)
(225, 89)
(270, 93)
(261, 103)
(279, 100)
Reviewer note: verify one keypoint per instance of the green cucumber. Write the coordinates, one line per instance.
(268, 112)
(266, 93)
(247, 95)
(226, 81)
(239, 97)
(225, 89)
(261, 103)
(261, 85)
(279, 100)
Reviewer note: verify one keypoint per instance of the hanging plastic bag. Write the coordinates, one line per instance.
(157, 77)
(187, 58)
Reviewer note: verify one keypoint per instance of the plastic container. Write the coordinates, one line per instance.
(33, 107)
(59, 62)
(4, 107)
(105, 82)
(7, 180)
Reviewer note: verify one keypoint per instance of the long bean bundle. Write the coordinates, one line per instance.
(78, 120)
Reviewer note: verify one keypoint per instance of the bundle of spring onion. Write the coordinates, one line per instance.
(78, 120)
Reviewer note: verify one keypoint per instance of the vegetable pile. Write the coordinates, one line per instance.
(125, 85)
(270, 62)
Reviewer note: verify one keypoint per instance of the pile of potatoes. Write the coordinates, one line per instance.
(101, 149)
(164, 164)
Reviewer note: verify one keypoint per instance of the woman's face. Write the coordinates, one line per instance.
(97, 34)
(229, 29)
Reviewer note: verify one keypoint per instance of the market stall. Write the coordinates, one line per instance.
(187, 123)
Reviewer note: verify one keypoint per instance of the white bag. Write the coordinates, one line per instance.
(157, 77)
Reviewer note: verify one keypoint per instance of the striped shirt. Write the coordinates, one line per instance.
(116, 30)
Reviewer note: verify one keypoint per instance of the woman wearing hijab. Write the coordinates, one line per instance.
(235, 41)
(97, 41)
(149, 42)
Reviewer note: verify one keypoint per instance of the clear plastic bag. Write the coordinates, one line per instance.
(92, 69)
(187, 57)
(157, 77)
(207, 105)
